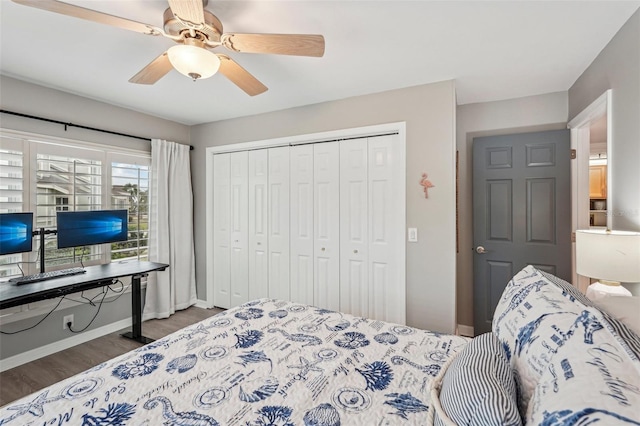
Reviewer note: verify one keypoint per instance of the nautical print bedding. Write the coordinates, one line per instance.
(267, 362)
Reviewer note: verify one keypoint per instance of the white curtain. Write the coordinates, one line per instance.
(171, 231)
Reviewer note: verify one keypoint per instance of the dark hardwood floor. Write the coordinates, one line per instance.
(33, 376)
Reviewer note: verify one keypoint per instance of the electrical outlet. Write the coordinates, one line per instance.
(67, 319)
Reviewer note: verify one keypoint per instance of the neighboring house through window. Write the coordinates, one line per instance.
(62, 204)
(130, 190)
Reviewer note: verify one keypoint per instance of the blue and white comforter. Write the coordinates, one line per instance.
(267, 362)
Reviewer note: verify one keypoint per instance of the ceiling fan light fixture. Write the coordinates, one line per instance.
(193, 61)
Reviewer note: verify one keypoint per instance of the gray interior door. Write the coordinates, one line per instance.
(521, 212)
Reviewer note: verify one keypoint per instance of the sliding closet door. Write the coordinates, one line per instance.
(386, 234)
(278, 230)
(221, 230)
(354, 225)
(301, 228)
(258, 214)
(326, 222)
(239, 228)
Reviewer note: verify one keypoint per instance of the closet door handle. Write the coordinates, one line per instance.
(355, 251)
(322, 249)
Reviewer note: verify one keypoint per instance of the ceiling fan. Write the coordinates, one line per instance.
(196, 30)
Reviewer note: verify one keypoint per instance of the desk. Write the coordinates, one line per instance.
(94, 277)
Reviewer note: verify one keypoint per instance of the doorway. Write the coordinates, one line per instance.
(591, 140)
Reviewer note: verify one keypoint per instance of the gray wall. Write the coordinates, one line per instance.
(27, 98)
(617, 67)
(429, 112)
(534, 113)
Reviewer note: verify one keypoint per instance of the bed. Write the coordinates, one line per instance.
(272, 362)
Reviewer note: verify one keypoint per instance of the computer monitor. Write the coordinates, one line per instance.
(16, 232)
(84, 228)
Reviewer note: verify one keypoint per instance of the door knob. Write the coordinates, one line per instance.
(480, 250)
(355, 251)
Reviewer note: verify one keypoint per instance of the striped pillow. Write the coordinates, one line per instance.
(478, 387)
(568, 288)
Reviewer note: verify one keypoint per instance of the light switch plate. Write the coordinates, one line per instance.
(412, 235)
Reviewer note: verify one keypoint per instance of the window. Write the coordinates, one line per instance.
(11, 194)
(60, 178)
(62, 204)
(130, 190)
(49, 176)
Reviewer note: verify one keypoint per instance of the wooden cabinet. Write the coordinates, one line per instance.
(598, 181)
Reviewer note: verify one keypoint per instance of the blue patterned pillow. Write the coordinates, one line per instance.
(478, 387)
(533, 317)
(590, 381)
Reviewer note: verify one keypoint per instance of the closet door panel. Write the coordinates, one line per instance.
(239, 229)
(278, 220)
(326, 222)
(258, 216)
(301, 229)
(385, 234)
(221, 231)
(354, 283)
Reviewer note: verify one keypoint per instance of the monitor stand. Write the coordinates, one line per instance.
(42, 232)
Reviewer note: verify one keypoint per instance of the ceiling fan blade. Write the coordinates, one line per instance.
(279, 44)
(188, 11)
(240, 77)
(153, 72)
(91, 15)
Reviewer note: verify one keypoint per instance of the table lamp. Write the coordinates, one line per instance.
(609, 256)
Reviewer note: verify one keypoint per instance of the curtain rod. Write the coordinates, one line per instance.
(95, 129)
(350, 138)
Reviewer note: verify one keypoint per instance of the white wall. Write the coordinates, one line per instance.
(27, 98)
(429, 113)
(534, 113)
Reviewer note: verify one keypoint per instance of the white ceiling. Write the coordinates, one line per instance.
(494, 50)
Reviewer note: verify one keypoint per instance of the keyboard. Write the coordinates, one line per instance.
(28, 279)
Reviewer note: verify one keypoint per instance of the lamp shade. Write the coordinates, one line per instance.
(608, 255)
(193, 61)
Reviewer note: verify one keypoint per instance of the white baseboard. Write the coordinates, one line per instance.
(42, 351)
(202, 304)
(465, 330)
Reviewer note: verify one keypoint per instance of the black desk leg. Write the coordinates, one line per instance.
(136, 312)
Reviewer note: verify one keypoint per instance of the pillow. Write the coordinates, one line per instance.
(533, 317)
(570, 289)
(595, 381)
(624, 309)
(477, 388)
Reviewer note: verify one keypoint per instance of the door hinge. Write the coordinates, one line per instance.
(573, 237)
(573, 154)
